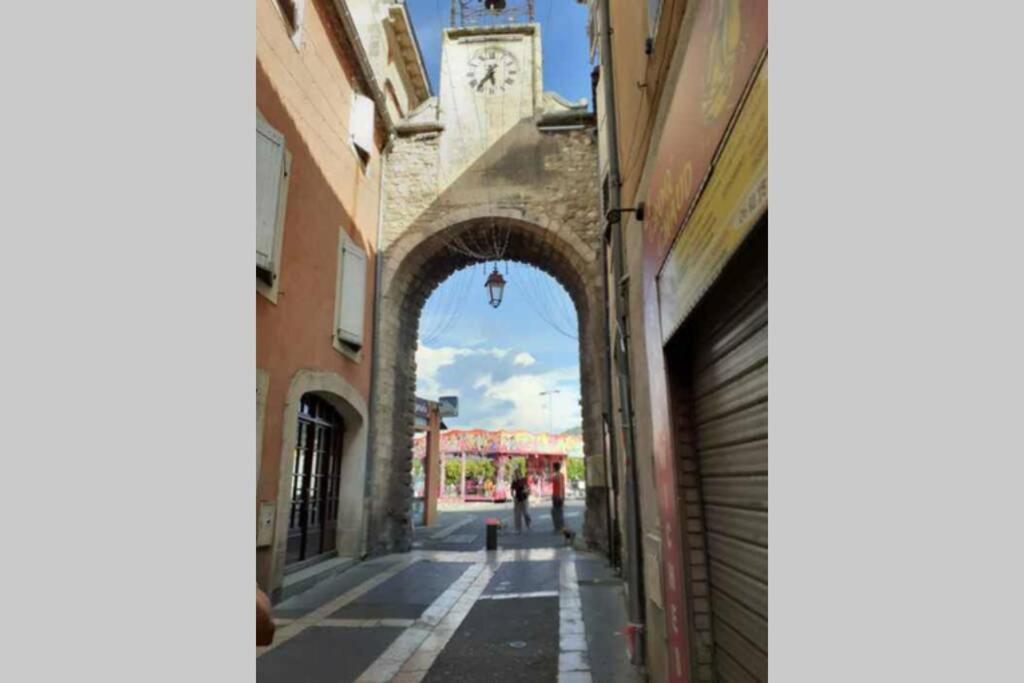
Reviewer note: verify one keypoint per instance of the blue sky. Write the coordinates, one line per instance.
(497, 361)
(563, 35)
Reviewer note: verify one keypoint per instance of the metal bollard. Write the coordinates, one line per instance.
(492, 533)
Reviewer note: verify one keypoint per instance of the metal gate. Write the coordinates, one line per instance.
(316, 481)
(718, 374)
(730, 416)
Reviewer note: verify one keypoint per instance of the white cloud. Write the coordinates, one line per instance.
(507, 402)
(429, 362)
(524, 359)
(529, 409)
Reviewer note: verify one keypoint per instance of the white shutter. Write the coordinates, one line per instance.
(270, 170)
(361, 123)
(352, 297)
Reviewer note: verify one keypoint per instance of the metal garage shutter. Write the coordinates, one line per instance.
(731, 420)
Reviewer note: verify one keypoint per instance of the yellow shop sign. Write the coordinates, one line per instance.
(734, 198)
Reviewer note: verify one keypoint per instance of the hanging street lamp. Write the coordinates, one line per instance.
(495, 287)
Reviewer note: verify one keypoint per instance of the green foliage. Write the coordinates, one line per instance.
(518, 463)
(486, 470)
(575, 469)
(452, 472)
(483, 469)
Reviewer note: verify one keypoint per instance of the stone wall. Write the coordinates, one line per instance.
(542, 186)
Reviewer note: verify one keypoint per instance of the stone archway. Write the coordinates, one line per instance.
(426, 263)
(539, 179)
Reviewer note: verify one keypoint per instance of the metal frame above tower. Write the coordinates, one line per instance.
(491, 12)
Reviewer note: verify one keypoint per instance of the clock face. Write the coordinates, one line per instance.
(492, 71)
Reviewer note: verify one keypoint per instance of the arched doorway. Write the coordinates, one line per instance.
(325, 405)
(419, 263)
(315, 483)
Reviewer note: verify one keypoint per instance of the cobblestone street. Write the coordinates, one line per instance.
(535, 610)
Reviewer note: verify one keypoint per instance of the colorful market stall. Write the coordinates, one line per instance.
(477, 465)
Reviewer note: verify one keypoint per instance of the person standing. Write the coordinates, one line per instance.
(558, 498)
(520, 496)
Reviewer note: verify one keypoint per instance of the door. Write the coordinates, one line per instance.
(316, 481)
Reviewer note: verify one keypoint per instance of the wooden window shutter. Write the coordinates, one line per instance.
(361, 124)
(270, 176)
(352, 297)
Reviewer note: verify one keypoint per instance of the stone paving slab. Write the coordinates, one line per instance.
(481, 650)
(524, 577)
(325, 655)
(603, 601)
(331, 588)
(405, 595)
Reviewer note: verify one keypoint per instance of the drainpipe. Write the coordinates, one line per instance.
(611, 451)
(634, 573)
(378, 271)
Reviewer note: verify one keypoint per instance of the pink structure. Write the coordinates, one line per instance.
(540, 451)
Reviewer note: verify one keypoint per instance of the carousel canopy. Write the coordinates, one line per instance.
(503, 442)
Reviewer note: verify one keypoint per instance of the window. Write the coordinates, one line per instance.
(293, 12)
(360, 126)
(653, 14)
(271, 186)
(316, 481)
(351, 297)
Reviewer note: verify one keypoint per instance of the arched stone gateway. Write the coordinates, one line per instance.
(539, 182)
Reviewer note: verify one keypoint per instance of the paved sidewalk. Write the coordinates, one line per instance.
(461, 615)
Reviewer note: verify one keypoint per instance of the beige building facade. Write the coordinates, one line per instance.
(332, 80)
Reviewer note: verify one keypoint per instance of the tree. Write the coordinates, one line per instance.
(452, 472)
(575, 470)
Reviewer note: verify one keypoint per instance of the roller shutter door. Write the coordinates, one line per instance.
(730, 414)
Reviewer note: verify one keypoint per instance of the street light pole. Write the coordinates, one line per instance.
(549, 395)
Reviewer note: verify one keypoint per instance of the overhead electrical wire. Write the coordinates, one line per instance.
(448, 306)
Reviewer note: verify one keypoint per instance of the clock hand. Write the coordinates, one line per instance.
(489, 76)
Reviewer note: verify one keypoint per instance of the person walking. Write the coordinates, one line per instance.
(558, 498)
(520, 496)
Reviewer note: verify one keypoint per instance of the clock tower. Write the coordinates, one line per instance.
(490, 78)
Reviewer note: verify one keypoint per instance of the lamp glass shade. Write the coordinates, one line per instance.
(495, 288)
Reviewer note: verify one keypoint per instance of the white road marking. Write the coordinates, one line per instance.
(519, 596)
(366, 623)
(412, 654)
(573, 663)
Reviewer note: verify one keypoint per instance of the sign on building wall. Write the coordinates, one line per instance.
(448, 406)
(729, 37)
(421, 412)
(735, 198)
